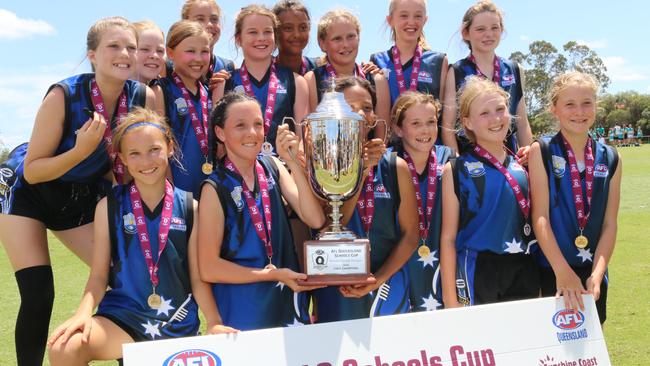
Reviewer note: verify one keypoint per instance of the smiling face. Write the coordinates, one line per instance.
(150, 55)
(419, 128)
(575, 108)
(407, 20)
(191, 58)
(341, 43)
(294, 32)
(488, 118)
(208, 15)
(257, 37)
(145, 152)
(114, 56)
(243, 130)
(484, 33)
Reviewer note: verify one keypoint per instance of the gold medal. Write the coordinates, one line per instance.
(581, 241)
(154, 301)
(206, 168)
(423, 251)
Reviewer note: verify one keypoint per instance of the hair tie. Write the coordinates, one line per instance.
(146, 123)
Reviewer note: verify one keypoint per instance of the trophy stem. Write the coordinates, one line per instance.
(336, 215)
(336, 231)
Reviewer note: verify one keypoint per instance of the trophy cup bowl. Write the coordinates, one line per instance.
(333, 138)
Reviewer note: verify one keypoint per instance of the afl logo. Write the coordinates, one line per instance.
(475, 169)
(567, 319)
(194, 357)
(601, 171)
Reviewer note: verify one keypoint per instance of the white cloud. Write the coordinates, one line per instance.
(524, 38)
(595, 44)
(13, 27)
(619, 69)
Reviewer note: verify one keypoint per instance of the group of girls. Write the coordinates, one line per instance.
(115, 168)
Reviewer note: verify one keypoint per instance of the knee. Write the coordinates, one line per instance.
(72, 352)
(36, 286)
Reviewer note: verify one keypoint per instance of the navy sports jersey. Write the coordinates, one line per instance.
(285, 96)
(490, 220)
(425, 288)
(310, 63)
(322, 77)
(385, 234)
(77, 97)
(562, 212)
(260, 304)
(126, 302)
(189, 176)
(510, 81)
(219, 63)
(428, 77)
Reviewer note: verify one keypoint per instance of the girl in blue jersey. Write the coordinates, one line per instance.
(576, 185)
(208, 13)
(481, 30)
(390, 224)
(293, 36)
(59, 182)
(145, 252)
(338, 37)
(415, 123)
(280, 92)
(245, 243)
(184, 100)
(150, 57)
(486, 232)
(409, 64)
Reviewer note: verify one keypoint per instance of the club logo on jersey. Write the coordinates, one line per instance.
(381, 192)
(425, 77)
(559, 166)
(178, 223)
(386, 73)
(281, 89)
(129, 223)
(239, 89)
(475, 169)
(569, 321)
(236, 197)
(601, 171)
(193, 357)
(507, 80)
(439, 170)
(181, 105)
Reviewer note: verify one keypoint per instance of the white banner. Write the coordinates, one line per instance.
(537, 332)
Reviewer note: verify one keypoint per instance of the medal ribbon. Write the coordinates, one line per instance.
(576, 185)
(122, 110)
(303, 67)
(271, 96)
(256, 217)
(496, 77)
(163, 229)
(432, 183)
(415, 69)
(366, 202)
(523, 202)
(200, 127)
(332, 72)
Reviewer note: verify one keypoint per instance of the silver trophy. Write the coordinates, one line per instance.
(333, 137)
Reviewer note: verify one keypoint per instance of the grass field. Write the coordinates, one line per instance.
(628, 321)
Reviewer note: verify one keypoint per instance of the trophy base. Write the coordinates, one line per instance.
(337, 262)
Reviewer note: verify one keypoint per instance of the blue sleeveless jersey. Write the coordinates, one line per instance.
(77, 97)
(219, 63)
(428, 77)
(562, 212)
(385, 234)
(425, 288)
(285, 96)
(189, 176)
(261, 304)
(322, 80)
(311, 62)
(126, 302)
(510, 82)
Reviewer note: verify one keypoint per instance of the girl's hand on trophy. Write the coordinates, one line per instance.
(287, 144)
(217, 78)
(358, 290)
(290, 278)
(373, 150)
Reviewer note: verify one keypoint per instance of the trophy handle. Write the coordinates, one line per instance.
(284, 121)
(374, 125)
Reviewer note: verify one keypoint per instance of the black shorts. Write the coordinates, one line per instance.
(505, 277)
(57, 204)
(549, 287)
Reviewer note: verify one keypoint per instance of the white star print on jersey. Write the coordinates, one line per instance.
(428, 260)
(165, 306)
(430, 303)
(585, 254)
(514, 247)
(151, 329)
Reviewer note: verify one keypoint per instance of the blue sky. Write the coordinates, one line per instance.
(44, 41)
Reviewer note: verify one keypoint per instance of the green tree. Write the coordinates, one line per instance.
(619, 116)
